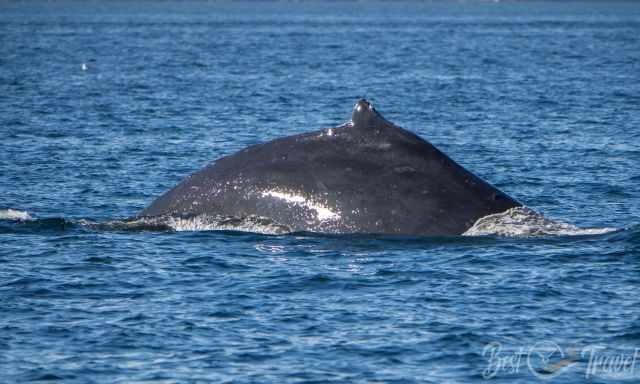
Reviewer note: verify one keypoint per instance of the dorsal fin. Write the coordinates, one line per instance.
(365, 117)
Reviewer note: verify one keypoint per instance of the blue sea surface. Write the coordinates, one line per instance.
(106, 105)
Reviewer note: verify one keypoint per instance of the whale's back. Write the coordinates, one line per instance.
(357, 178)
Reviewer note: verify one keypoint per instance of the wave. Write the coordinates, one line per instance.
(525, 222)
(515, 222)
(15, 221)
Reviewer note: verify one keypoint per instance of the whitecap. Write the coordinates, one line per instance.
(14, 214)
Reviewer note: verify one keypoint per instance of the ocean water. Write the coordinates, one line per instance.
(105, 105)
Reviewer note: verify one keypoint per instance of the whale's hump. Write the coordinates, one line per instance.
(365, 176)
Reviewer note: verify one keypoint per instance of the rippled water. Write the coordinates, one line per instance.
(106, 105)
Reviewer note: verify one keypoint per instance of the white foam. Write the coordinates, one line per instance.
(522, 221)
(322, 212)
(14, 214)
(253, 224)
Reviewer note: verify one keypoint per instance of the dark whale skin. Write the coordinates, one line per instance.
(367, 176)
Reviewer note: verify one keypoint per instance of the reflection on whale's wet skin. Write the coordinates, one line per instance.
(366, 176)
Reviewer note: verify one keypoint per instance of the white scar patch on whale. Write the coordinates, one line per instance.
(322, 212)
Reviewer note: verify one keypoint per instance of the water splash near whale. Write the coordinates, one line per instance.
(516, 222)
(251, 224)
(14, 214)
(525, 222)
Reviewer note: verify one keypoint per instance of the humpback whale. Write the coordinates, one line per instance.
(366, 176)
